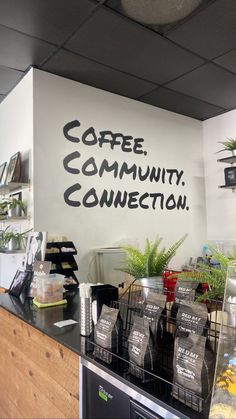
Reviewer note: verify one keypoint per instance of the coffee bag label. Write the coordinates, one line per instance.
(185, 290)
(192, 317)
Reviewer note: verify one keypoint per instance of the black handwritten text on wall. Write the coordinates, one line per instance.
(119, 170)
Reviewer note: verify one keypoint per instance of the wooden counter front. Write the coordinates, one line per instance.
(39, 378)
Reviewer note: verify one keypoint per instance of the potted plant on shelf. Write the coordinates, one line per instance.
(229, 145)
(3, 238)
(3, 208)
(148, 265)
(16, 207)
(12, 208)
(10, 241)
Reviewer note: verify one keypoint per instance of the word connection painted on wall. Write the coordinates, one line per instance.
(119, 170)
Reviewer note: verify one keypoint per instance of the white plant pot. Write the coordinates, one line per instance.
(13, 245)
(15, 212)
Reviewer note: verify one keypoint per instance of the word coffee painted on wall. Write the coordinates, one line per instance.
(75, 164)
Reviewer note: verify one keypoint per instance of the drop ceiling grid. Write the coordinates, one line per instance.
(178, 71)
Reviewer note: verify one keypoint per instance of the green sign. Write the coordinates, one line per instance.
(103, 396)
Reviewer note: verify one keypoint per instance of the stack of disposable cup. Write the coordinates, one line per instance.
(85, 309)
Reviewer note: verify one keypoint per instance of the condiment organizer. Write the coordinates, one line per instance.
(61, 254)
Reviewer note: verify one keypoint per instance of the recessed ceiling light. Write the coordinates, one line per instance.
(159, 12)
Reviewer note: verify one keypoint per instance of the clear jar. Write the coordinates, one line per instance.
(50, 288)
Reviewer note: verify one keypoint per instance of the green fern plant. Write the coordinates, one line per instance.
(230, 144)
(152, 261)
(214, 276)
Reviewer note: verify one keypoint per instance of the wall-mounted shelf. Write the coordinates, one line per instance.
(10, 219)
(233, 187)
(229, 173)
(228, 160)
(8, 252)
(13, 187)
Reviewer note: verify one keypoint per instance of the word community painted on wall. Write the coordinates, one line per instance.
(119, 170)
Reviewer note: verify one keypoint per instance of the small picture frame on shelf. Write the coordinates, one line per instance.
(14, 169)
(230, 176)
(17, 196)
(2, 172)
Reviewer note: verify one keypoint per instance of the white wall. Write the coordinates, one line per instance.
(16, 129)
(16, 134)
(221, 226)
(171, 141)
(16, 119)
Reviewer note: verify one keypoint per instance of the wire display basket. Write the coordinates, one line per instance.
(158, 383)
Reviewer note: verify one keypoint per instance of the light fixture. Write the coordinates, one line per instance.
(159, 12)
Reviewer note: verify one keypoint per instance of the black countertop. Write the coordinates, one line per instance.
(69, 336)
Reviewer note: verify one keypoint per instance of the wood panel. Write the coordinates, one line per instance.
(39, 378)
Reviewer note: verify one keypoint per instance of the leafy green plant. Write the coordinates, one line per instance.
(3, 236)
(11, 204)
(152, 261)
(19, 238)
(215, 276)
(230, 144)
(3, 207)
(17, 203)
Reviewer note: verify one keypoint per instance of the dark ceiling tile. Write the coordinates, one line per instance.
(209, 83)
(179, 103)
(8, 79)
(228, 61)
(2, 97)
(114, 40)
(211, 32)
(158, 18)
(20, 51)
(52, 20)
(70, 65)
